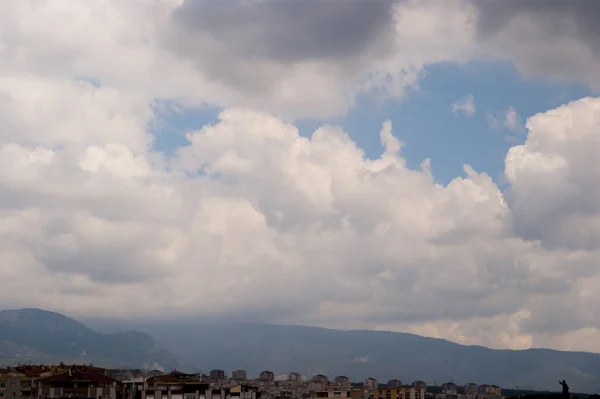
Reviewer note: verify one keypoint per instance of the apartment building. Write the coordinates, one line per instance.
(3, 377)
(471, 389)
(449, 388)
(178, 385)
(239, 375)
(79, 383)
(341, 380)
(401, 392)
(19, 382)
(266, 375)
(411, 392)
(333, 392)
(371, 384)
(244, 391)
(490, 391)
(217, 375)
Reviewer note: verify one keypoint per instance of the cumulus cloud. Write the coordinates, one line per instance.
(465, 105)
(275, 215)
(551, 192)
(250, 217)
(297, 59)
(314, 58)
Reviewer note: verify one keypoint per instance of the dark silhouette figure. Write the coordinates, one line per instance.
(565, 389)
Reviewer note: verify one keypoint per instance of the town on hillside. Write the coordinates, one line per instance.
(90, 382)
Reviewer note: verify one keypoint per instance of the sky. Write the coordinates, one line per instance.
(419, 166)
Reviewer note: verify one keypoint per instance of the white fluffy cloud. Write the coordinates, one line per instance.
(250, 217)
(272, 221)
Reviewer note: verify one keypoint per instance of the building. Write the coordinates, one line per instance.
(321, 378)
(318, 383)
(177, 386)
(217, 375)
(130, 386)
(295, 377)
(239, 375)
(341, 380)
(3, 379)
(490, 391)
(419, 384)
(78, 383)
(400, 392)
(333, 392)
(411, 392)
(371, 383)
(266, 375)
(394, 383)
(284, 395)
(16, 385)
(388, 393)
(471, 389)
(19, 381)
(449, 388)
(243, 391)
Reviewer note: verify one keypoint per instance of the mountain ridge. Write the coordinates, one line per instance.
(311, 350)
(370, 353)
(50, 336)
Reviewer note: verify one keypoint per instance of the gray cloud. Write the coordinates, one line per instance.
(265, 50)
(291, 31)
(558, 18)
(552, 38)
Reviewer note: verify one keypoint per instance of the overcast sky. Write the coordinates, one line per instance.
(413, 165)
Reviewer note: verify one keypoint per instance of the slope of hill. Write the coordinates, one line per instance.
(384, 355)
(40, 336)
(308, 350)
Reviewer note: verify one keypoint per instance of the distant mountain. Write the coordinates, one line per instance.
(308, 350)
(383, 355)
(33, 335)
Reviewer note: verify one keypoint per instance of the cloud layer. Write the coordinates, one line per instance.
(556, 39)
(252, 218)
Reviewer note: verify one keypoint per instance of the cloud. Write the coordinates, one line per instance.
(512, 120)
(551, 195)
(466, 105)
(312, 58)
(293, 62)
(274, 215)
(250, 216)
(555, 39)
(509, 120)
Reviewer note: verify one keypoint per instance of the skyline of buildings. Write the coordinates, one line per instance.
(90, 382)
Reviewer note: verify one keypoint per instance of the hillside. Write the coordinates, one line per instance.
(308, 350)
(33, 335)
(384, 355)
